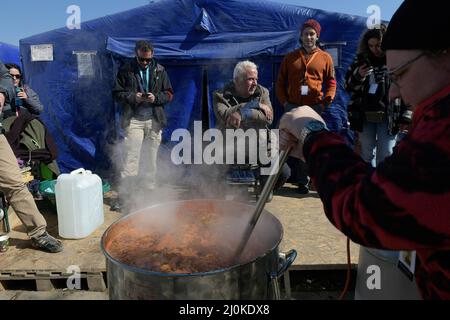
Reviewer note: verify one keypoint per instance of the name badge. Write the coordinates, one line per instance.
(373, 88)
(305, 90)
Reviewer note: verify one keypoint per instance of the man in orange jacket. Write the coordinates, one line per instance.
(303, 75)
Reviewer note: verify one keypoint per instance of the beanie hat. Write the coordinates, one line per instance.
(418, 25)
(311, 23)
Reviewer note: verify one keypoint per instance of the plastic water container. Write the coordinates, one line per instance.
(394, 284)
(79, 202)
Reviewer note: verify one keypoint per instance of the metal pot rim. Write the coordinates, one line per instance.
(184, 275)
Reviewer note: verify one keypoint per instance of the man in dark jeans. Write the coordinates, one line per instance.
(12, 185)
(143, 89)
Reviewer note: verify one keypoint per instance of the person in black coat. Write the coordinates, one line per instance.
(143, 89)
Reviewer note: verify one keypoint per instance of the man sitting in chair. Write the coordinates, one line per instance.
(244, 104)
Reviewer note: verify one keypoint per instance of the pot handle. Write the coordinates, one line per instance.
(286, 260)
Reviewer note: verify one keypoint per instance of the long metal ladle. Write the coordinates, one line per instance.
(268, 188)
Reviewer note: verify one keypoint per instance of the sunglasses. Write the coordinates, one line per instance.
(16, 76)
(398, 72)
(148, 60)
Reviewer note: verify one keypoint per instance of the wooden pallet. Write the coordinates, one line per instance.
(50, 280)
(47, 271)
(44, 271)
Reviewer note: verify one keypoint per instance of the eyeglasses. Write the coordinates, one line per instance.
(148, 60)
(398, 72)
(16, 76)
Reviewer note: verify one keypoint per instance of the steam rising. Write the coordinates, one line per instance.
(187, 182)
(175, 182)
(189, 237)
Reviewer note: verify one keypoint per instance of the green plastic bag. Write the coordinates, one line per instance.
(47, 188)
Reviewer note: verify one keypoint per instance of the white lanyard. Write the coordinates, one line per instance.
(304, 89)
(307, 63)
(147, 75)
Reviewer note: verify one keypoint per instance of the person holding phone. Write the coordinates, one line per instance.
(26, 98)
(143, 89)
(12, 185)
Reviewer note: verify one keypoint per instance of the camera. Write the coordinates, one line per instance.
(366, 62)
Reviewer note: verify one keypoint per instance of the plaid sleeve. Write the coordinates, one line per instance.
(404, 203)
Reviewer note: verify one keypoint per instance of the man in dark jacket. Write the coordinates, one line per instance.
(143, 89)
(12, 185)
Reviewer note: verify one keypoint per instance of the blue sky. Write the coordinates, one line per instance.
(30, 17)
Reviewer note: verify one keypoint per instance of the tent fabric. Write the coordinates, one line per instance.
(9, 53)
(198, 41)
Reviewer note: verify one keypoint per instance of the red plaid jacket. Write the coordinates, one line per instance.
(402, 205)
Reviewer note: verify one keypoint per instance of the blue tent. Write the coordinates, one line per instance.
(9, 53)
(199, 42)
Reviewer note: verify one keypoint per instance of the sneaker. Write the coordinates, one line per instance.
(302, 189)
(270, 198)
(47, 243)
(119, 206)
(116, 206)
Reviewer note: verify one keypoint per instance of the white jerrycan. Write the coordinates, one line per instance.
(79, 202)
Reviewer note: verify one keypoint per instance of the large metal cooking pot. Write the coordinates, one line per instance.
(254, 277)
